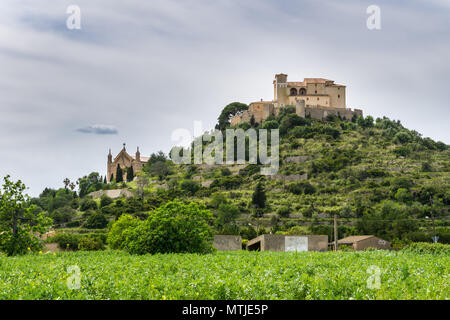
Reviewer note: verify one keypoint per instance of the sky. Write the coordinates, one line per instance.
(138, 70)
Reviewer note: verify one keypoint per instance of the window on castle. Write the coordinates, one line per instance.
(315, 91)
(293, 92)
(339, 95)
(302, 91)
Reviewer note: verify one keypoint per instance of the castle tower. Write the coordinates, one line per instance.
(280, 90)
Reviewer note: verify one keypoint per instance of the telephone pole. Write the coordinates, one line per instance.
(432, 219)
(335, 233)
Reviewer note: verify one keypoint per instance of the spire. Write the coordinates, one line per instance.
(138, 155)
(124, 144)
(109, 156)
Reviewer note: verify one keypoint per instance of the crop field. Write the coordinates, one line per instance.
(236, 275)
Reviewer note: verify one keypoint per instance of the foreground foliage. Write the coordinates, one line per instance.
(236, 275)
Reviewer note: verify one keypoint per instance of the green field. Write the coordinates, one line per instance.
(237, 275)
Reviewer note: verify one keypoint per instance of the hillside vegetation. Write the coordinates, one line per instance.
(377, 176)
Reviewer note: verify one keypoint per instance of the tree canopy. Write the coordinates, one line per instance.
(229, 111)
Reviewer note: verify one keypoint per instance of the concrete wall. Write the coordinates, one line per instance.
(227, 242)
(275, 242)
(317, 243)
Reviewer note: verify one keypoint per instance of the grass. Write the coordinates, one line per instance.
(235, 275)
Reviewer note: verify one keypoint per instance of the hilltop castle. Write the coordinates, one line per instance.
(315, 97)
(124, 160)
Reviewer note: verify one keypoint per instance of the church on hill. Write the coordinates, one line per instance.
(125, 161)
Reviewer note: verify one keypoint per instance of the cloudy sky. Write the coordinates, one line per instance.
(137, 70)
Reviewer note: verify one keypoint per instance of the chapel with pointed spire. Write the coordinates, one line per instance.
(125, 161)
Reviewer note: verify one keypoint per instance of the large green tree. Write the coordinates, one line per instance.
(172, 228)
(19, 222)
(228, 112)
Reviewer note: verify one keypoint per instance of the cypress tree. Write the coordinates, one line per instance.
(119, 174)
(259, 196)
(130, 174)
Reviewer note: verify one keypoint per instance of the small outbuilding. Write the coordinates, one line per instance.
(363, 242)
(227, 242)
(277, 242)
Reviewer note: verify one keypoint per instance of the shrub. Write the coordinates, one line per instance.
(66, 241)
(64, 214)
(431, 248)
(271, 124)
(88, 204)
(298, 231)
(284, 211)
(172, 228)
(248, 233)
(289, 121)
(190, 186)
(249, 170)
(231, 182)
(226, 214)
(105, 201)
(225, 172)
(90, 244)
(96, 221)
(116, 238)
(301, 187)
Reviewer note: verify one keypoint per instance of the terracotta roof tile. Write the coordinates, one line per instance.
(353, 239)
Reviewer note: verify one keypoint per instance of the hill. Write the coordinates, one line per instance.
(377, 176)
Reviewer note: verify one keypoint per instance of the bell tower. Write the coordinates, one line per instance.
(280, 90)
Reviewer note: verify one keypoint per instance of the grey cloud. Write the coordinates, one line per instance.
(99, 129)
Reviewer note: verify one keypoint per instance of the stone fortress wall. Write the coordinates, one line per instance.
(314, 97)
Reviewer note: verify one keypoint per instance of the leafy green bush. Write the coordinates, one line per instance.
(116, 238)
(173, 227)
(105, 201)
(301, 187)
(190, 186)
(284, 211)
(96, 221)
(66, 241)
(63, 214)
(88, 204)
(231, 182)
(90, 244)
(72, 241)
(431, 248)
